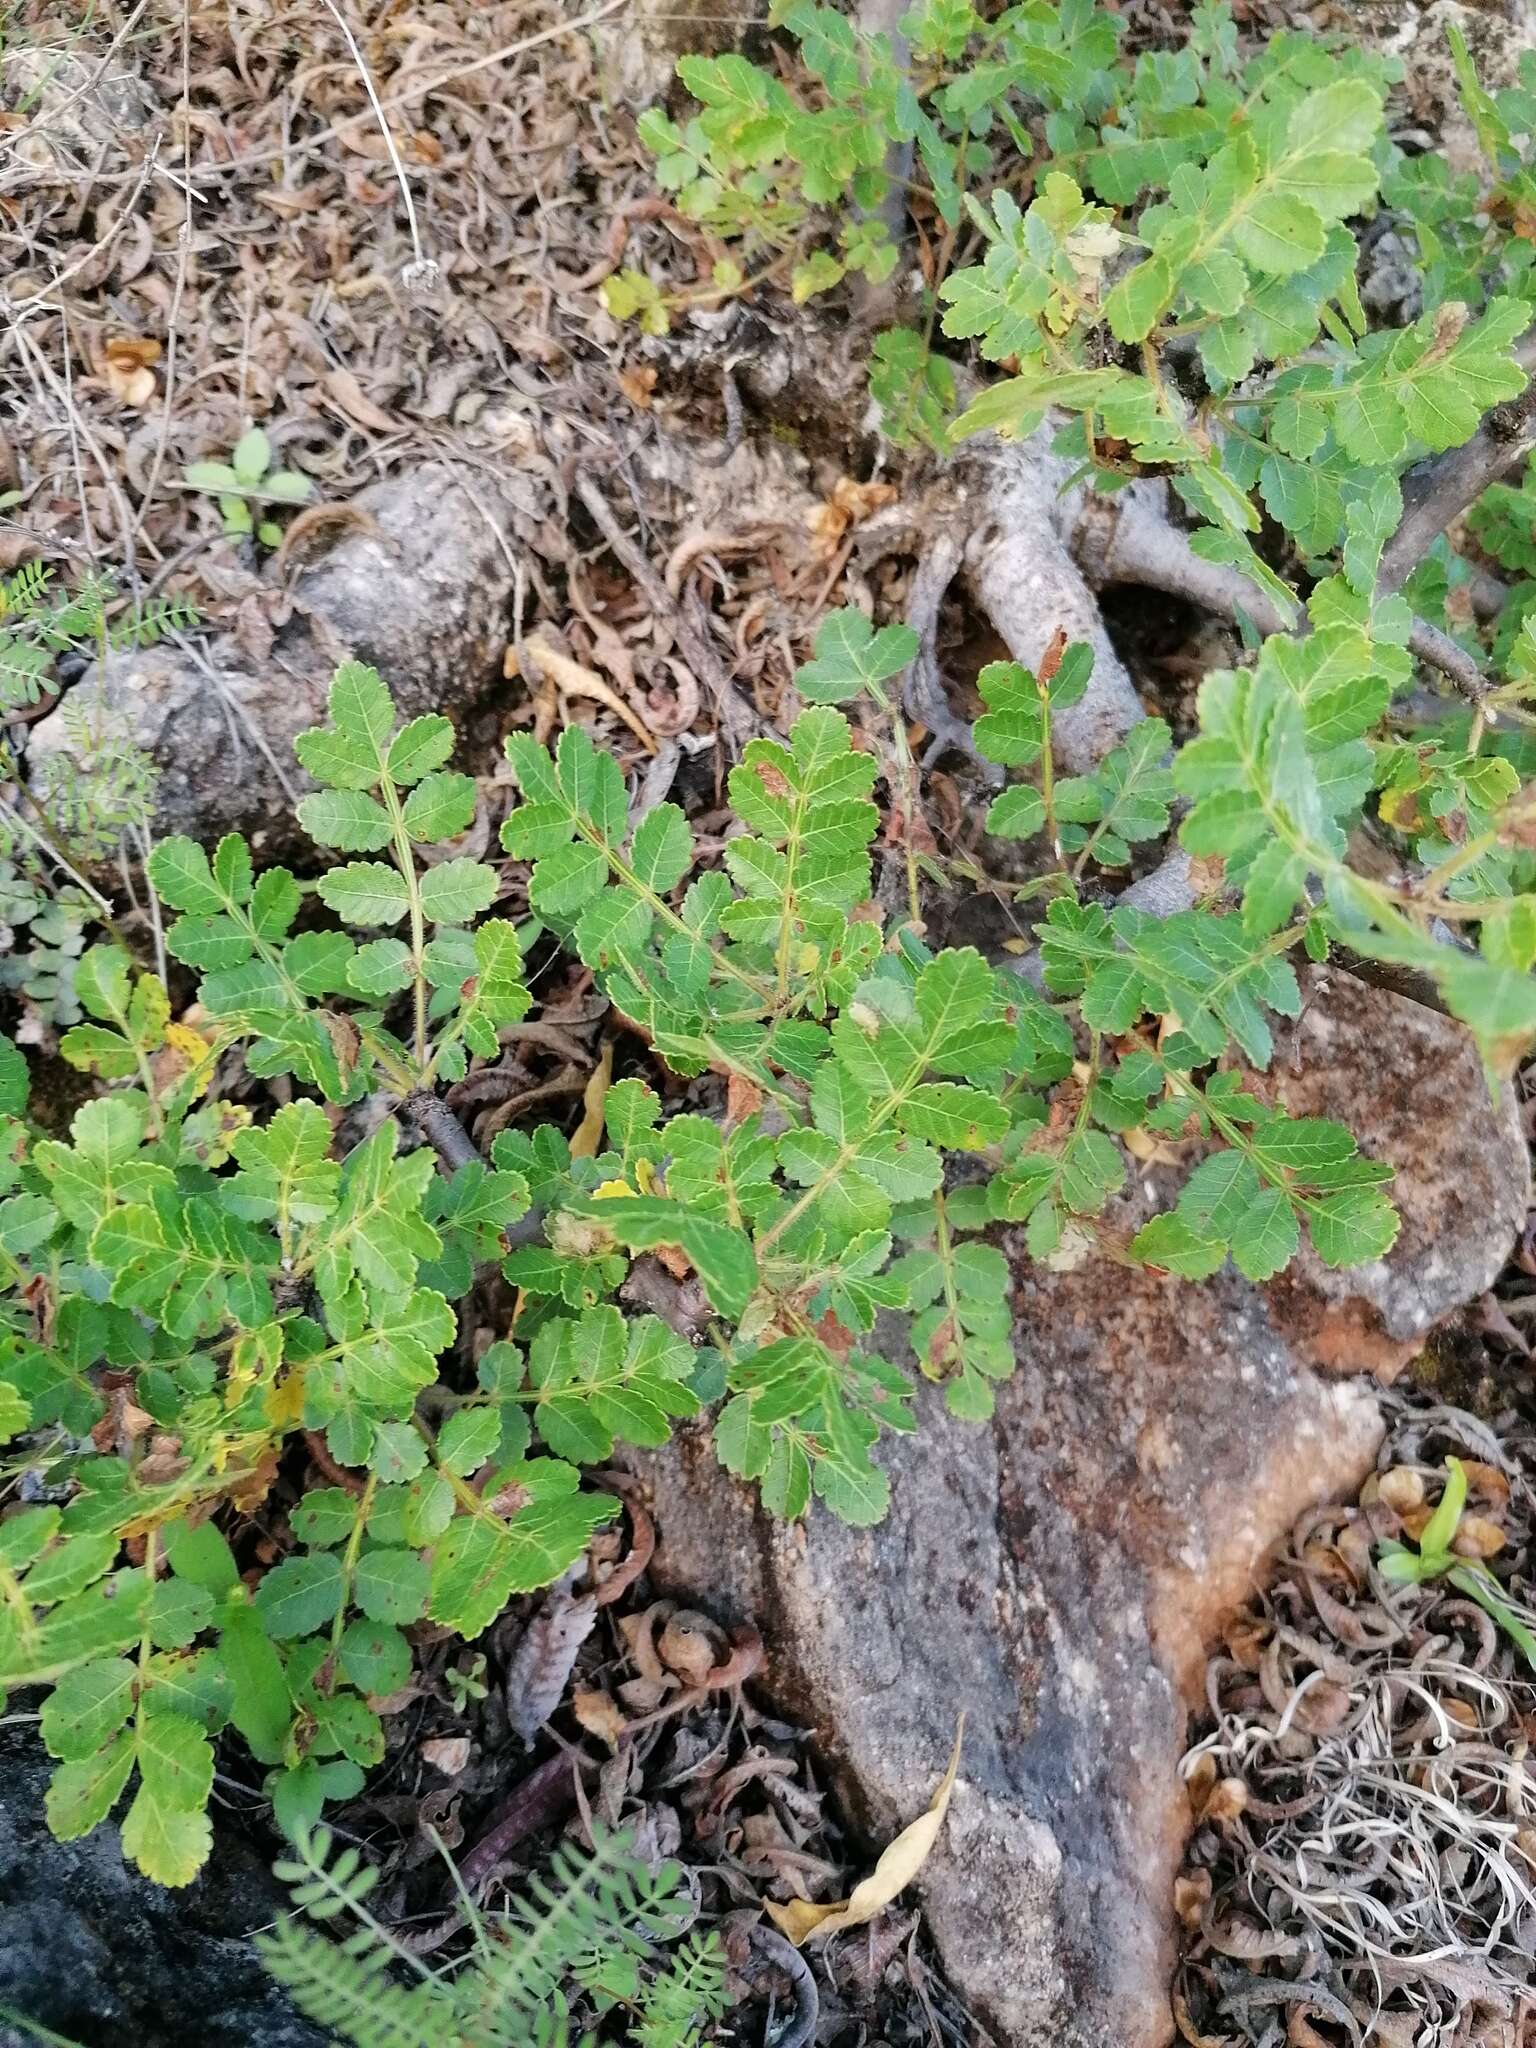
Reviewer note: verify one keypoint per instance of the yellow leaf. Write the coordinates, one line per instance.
(284, 1403)
(613, 1190)
(799, 1920)
(590, 1130)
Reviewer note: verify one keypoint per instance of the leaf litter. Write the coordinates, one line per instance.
(1363, 1863)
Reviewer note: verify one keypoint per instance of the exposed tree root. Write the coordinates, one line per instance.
(1146, 548)
(1021, 564)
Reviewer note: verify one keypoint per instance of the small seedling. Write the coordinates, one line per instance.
(245, 483)
(1436, 1559)
(466, 1685)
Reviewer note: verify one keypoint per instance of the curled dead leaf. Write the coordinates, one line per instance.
(599, 1715)
(1324, 1707)
(1301, 2033)
(1247, 1640)
(637, 385)
(124, 368)
(1477, 1537)
(355, 402)
(1486, 1482)
(1229, 1798)
(1354, 1549)
(164, 1463)
(687, 1646)
(1191, 1896)
(1189, 2032)
(800, 1919)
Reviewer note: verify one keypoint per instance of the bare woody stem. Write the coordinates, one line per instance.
(438, 1127)
(1439, 491)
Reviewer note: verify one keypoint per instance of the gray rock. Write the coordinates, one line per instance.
(98, 1954)
(1060, 1575)
(420, 585)
(638, 54)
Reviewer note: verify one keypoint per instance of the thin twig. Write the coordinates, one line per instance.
(736, 718)
(735, 423)
(441, 1129)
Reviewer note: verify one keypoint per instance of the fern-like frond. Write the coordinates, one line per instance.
(24, 593)
(323, 1885)
(23, 666)
(690, 1990)
(346, 1987)
(152, 622)
(584, 1901)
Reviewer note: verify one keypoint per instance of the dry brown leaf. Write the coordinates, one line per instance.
(1476, 1536)
(850, 503)
(124, 368)
(355, 402)
(447, 1753)
(637, 384)
(164, 1462)
(1487, 1480)
(572, 679)
(1402, 1489)
(743, 1099)
(599, 1715)
(589, 1132)
(1189, 2032)
(799, 1920)
(687, 1647)
(1191, 1896)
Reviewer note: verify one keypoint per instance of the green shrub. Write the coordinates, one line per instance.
(194, 1280)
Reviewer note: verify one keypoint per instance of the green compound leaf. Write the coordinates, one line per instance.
(481, 1559)
(851, 656)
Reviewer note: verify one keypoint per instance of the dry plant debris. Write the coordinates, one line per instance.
(596, 1702)
(1363, 1867)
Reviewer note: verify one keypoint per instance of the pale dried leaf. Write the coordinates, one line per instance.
(589, 1132)
(355, 402)
(1476, 1536)
(799, 1920)
(1402, 1489)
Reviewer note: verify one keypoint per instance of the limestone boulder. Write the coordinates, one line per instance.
(420, 583)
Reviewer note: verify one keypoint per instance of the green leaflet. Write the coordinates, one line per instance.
(482, 1559)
